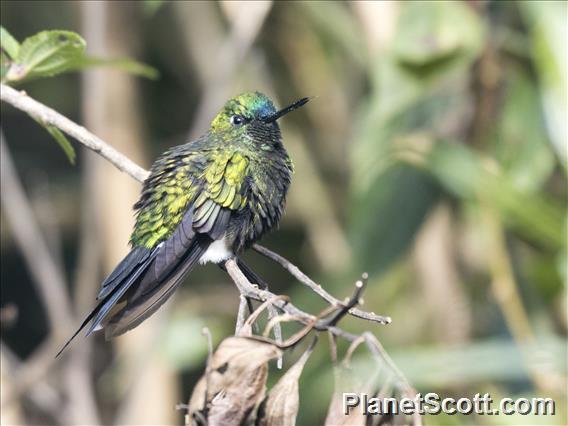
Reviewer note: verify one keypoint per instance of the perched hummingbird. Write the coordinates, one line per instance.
(204, 201)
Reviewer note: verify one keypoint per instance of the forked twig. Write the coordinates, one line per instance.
(316, 288)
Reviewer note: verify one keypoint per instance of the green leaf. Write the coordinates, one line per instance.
(49, 53)
(125, 64)
(9, 44)
(63, 142)
(46, 54)
(5, 64)
(60, 138)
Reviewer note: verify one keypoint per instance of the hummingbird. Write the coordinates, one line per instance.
(205, 201)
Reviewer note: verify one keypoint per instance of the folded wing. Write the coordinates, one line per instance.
(148, 276)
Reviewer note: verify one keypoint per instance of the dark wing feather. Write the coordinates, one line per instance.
(141, 307)
(174, 259)
(114, 296)
(221, 223)
(132, 260)
(118, 282)
(170, 254)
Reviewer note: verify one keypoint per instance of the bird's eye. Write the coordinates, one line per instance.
(237, 120)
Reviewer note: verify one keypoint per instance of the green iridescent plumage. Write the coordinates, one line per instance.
(225, 167)
(205, 200)
(200, 178)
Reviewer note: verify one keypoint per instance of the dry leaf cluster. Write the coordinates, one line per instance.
(232, 390)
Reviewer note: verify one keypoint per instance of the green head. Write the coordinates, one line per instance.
(250, 112)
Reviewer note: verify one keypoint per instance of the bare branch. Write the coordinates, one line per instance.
(46, 115)
(355, 299)
(253, 292)
(241, 316)
(317, 288)
(293, 313)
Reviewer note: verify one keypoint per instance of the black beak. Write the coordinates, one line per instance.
(284, 111)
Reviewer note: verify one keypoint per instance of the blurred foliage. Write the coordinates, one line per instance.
(49, 53)
(420, 106)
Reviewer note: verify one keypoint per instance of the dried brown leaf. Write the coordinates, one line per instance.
(281, 405)
(235, 382)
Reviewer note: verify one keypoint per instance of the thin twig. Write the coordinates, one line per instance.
(376, 348)
(317, 288)
(332, 347)
(351, 350)
(253, 292)
(355, 299)
(241, 315)
(273, 313)
(401, 382)
(278, 319)
(48, 116)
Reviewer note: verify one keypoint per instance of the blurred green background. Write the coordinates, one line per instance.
(433, 156)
